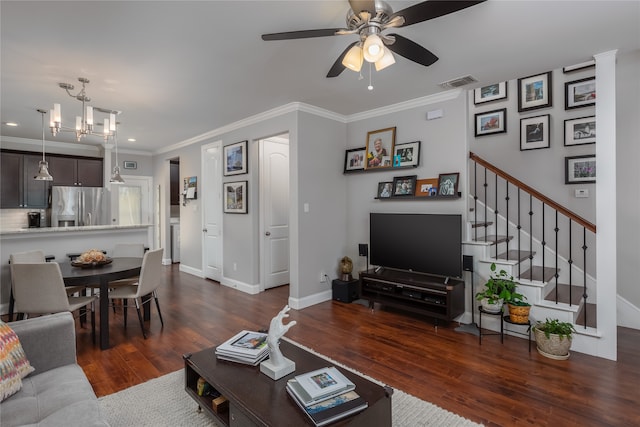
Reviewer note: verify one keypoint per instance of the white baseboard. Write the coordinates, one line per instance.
(190, 270)
(300, 303)
(241, 286)
(627, 313)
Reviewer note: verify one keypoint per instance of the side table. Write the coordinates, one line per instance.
(528, 325)
(490, 313)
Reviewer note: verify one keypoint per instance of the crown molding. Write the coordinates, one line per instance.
(57, 147)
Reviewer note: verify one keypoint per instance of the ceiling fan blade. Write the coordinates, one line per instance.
(412, 50)
(359, 6)
(304, 34)
(338, 67)
(432, 9)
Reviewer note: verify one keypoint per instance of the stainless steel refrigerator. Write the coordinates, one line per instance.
(78, 206)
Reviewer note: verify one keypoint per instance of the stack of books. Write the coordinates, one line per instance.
(325, 395)
(246, 347)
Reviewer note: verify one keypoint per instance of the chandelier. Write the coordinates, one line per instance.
(84, 123)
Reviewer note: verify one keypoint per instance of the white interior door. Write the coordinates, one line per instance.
(131, 201)
(211, 190)
(274, 206)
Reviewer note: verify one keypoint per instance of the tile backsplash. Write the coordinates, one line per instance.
(11, 219)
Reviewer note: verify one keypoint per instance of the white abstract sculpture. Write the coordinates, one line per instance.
(277, 366)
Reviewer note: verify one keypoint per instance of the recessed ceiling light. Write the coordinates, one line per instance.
(131, 140)
(10, 124)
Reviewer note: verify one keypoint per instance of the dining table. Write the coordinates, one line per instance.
(118, 268)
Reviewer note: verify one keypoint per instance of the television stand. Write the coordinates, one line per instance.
(441, 298)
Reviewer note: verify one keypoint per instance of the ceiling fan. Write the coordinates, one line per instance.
(368, 19)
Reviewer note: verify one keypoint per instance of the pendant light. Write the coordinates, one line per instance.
(115, 177)
(43, 166)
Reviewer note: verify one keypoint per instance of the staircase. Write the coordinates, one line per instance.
(549, 250)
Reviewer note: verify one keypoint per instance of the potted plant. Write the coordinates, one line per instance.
(553, 338)
(499, 288)
(518, 307)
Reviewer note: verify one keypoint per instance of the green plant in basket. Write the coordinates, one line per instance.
(555, 327)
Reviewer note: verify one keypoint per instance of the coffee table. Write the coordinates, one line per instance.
(257, 400)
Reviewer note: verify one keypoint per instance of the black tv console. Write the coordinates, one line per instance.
(432, 295)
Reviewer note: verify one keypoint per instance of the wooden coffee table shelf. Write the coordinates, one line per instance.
(257, 400)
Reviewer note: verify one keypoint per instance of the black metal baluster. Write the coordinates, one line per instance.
(543, 242)
(556, 229)
(485, 185)
(506, 199)
(570, 261)
(519, 238)
(584, 274)
(530, 237)
(495, 211)
(475, 200)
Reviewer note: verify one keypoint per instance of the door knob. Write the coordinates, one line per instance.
(268, 233)
(204, 230)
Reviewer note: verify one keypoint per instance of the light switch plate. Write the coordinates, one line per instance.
(582, 192)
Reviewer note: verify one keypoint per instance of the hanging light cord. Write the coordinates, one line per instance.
(42, 113)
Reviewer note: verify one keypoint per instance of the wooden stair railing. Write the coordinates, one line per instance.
(523, 191)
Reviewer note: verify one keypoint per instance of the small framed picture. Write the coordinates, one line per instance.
(490, 93)
(235, 158)
(580, 131)
(385, 189)
(235, 197)
(404, 185)
(407, 154)
(534, 133)
(354, 159)
(448, 184)
(427, 187)
(580, 93)
(491, 122)
(130, 164)
(580, 169)
(379, 148)
(534, 92)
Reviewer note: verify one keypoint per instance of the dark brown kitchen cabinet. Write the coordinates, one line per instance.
(18, 189)
(72, 171)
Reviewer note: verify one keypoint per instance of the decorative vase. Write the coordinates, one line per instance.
(496, 307)
(554, 347)
(519, 313)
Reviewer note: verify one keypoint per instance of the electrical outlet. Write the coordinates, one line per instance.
(235, 267)
(323, 277)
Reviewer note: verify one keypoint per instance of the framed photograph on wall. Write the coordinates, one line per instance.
(448, 184)
(580, 131)
(407, 154)
(490, 93)
(235, 158)
(404, 185)
(534, 133)
(427, 187)
(379, 148)
(130, 164)
(580, 93)
(354, 159)
(491, 122)
(235, 197)
(534, 92)
(580, 169)
(385, 189)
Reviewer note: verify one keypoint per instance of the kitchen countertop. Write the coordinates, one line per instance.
(23, 231)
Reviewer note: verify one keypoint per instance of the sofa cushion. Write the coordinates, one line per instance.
(10, 381)
(61, 396)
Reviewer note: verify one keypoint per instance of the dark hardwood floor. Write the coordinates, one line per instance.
(494, 384)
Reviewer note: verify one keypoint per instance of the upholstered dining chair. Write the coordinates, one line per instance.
(127, 250)
(146, 288)
(39, 289)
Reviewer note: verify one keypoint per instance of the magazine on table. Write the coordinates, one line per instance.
(319, 385)
(245, 347)
(332, 409)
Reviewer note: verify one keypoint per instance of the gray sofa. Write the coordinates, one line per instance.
(57, 393)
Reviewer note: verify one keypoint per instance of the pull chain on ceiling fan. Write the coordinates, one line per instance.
(368, 19)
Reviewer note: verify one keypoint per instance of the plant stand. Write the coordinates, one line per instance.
(490, 313)
(507, 319)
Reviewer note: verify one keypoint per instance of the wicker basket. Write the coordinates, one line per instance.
(553, 347)
(519, 313)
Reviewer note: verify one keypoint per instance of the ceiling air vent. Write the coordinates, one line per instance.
(460, 81)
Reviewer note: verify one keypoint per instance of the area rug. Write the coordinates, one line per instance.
(163, 402)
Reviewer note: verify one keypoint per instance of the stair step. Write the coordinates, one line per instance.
(493, 239)
(537, 273)
(512, 255)
(475, 224)
(592, 320)
(563, 294)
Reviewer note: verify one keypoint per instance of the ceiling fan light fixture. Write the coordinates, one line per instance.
(353, 59)
(386, 60)
(373, 48)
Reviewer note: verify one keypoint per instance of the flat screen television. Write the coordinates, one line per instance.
(424, 243)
